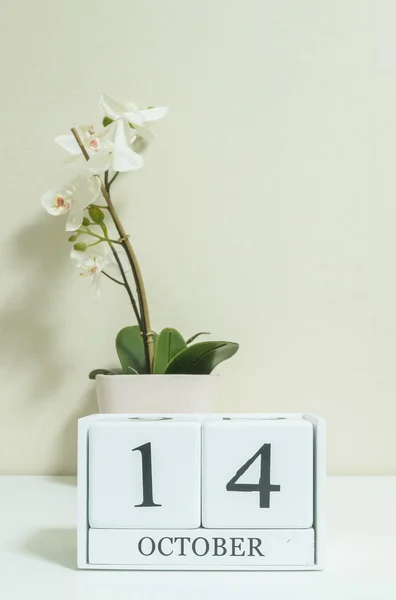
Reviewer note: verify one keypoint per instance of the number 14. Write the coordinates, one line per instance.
(264, 485)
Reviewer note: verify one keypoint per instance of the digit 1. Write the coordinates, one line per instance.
(147, 476)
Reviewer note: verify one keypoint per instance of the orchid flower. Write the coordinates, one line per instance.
(117, 138)
(123, 116)
(95, 144)
(129, 111)
(91, 140)
(96, 259)
(108, 148)
(72, 199)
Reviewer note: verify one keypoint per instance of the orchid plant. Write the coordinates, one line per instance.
(102, 248)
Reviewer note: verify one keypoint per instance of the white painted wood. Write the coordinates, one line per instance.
(124, 454)
(319, 496)
(202, 547)
(157, 393)
(228, 444)
(82, 489)
(319, 487)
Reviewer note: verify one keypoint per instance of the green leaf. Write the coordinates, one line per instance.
(80, 246)
(96, 214)
(107, 121)
(96, 372)
(201, 358)
(170, 342)
(194, 337)
(130, 350)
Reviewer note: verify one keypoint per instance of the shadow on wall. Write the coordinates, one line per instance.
(34, 355)
(25, 322)
(66, 461)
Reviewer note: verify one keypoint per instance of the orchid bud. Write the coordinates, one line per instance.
(72, 238)
(96, 214)
(86, 221)
(80, 246)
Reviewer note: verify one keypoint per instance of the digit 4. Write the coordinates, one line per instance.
(264, 485)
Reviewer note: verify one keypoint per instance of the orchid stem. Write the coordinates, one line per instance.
(94, 244)
(144, 322)
(100, 238)
(113, 278)
(126, 284)
(112, 180)
(125, 281)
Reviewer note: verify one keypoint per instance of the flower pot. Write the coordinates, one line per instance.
(156, 393)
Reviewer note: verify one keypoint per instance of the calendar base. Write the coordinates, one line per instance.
(238, 549)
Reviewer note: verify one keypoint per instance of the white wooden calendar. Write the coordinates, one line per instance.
(216, 491)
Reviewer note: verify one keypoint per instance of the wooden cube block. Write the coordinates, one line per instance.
(257, 473)
(145, 473)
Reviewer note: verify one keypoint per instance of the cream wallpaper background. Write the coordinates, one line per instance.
(266, 213)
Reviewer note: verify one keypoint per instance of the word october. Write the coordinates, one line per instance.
(201, 546)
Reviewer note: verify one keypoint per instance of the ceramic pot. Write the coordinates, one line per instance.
(150, 394)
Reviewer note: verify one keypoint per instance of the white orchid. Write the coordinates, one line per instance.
(95, 144)
(90, 139)
(123, 115)
(72, 199)
(130, 113)
(117, 138)
(119, 145)
(94, 260)
(111, 147)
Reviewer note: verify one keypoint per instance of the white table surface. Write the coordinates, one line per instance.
(38, 551)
